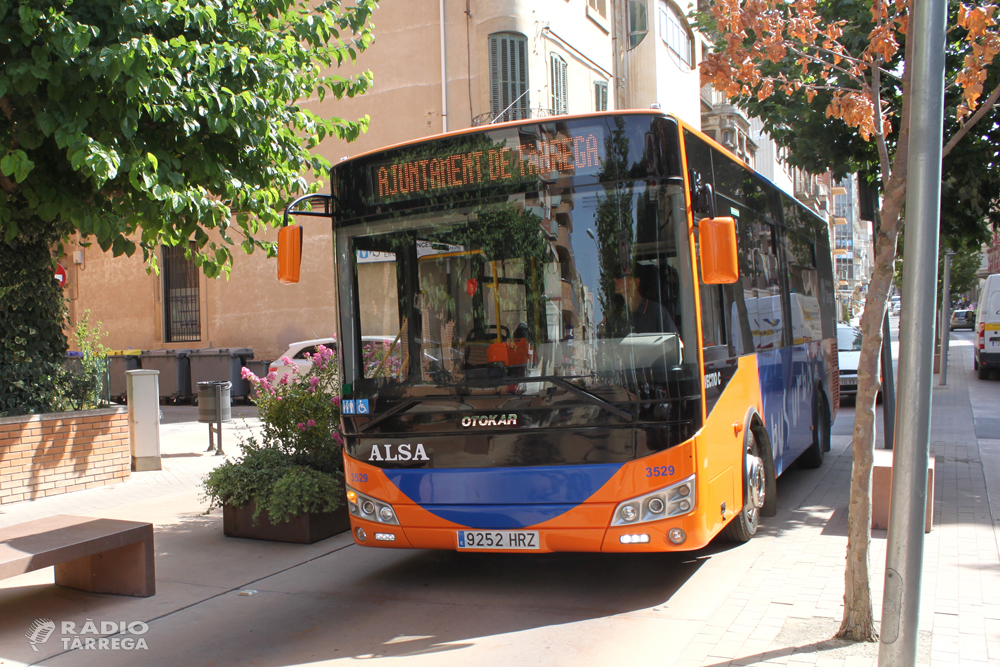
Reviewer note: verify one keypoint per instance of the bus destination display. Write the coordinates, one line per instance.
(435, 173)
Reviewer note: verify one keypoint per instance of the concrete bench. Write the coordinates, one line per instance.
(882, 490)
(94, 555)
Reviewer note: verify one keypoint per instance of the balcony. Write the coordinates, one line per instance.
(515, 113)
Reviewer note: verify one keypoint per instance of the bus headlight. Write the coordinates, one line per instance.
(674, 500)
(365, 507)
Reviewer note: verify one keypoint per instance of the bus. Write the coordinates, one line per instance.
(594, 333)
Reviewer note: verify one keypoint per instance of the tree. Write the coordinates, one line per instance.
(834, 74)
(139, 123)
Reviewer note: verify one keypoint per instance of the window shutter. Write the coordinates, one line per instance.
(600, 96)
(559, 96)
(508, 76)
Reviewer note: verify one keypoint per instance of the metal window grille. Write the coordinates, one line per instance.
(601, 96)
(560, 85)
(509, 77)
(181, 305)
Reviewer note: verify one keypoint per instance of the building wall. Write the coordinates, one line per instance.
(655, 75)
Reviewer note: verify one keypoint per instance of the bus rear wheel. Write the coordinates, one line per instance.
(744, 525)
(813, 457)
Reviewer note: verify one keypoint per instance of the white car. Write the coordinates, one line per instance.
(297, 352)
(849, 354)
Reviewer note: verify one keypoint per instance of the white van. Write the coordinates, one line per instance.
(987, 348)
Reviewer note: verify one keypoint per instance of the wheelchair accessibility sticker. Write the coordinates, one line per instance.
(354, 406)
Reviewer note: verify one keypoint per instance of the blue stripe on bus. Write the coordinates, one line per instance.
(497, 517)
(501, 497)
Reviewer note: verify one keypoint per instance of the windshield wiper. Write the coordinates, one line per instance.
(563, 382)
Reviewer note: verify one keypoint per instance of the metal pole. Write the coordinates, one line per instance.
(945, 318)
(888, 382)
(905, 544)
(218, 418)
(888, 387)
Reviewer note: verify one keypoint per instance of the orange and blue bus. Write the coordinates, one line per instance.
(583, 333)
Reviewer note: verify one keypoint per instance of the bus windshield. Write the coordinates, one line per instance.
(499, 296)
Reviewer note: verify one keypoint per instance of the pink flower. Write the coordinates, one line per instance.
(302, 426)
(311, 422)
(339, 439)
(283, 380)
(313, 381)
(336, 401)
(286, 361)
(279, 398)
(245, 373)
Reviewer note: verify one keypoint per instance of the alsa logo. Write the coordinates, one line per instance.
(490, 420)
(403, 453)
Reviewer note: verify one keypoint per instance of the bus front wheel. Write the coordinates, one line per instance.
(744, 525)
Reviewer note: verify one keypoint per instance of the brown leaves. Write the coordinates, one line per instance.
(854, 109)
(984, 45)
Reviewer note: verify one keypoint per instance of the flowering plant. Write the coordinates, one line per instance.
(297, 464)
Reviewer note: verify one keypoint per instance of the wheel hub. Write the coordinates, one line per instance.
(756, 480)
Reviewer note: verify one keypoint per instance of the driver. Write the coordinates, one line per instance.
(645, 315)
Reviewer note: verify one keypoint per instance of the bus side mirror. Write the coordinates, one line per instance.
(717, 239)
(289, 254)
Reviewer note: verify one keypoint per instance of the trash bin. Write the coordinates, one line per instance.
(175, 372)
(214, 407)
(221, 364)
(119, 362)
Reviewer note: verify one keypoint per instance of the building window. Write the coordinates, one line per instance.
(509, 76)
(637, 24)
(601, 96)
(181, 304)
(599, 6)
(675, 33)
(560, 84)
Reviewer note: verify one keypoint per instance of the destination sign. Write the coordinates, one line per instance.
(522, 164)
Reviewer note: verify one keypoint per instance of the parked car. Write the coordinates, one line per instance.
(963, 319)
(849, 354)
(297, 352)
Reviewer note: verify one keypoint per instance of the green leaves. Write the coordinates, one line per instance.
(167, 117)
(16, 164)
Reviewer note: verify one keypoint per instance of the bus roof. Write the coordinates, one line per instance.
(511, 123)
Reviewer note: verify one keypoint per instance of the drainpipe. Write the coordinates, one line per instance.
(444, 74)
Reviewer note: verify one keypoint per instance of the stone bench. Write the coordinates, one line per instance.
(94, 555)
(882, 490)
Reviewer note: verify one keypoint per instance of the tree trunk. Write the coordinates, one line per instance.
(32, 314)
(858, 623)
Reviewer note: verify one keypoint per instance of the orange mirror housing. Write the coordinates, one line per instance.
(717, 238)
(289, 254)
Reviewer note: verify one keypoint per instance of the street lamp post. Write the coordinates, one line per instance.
(946, 317)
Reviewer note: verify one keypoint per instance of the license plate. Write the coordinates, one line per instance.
(995, 342)
(844, 381)
(498, 539)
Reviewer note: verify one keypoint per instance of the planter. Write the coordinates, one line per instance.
(302, 529)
